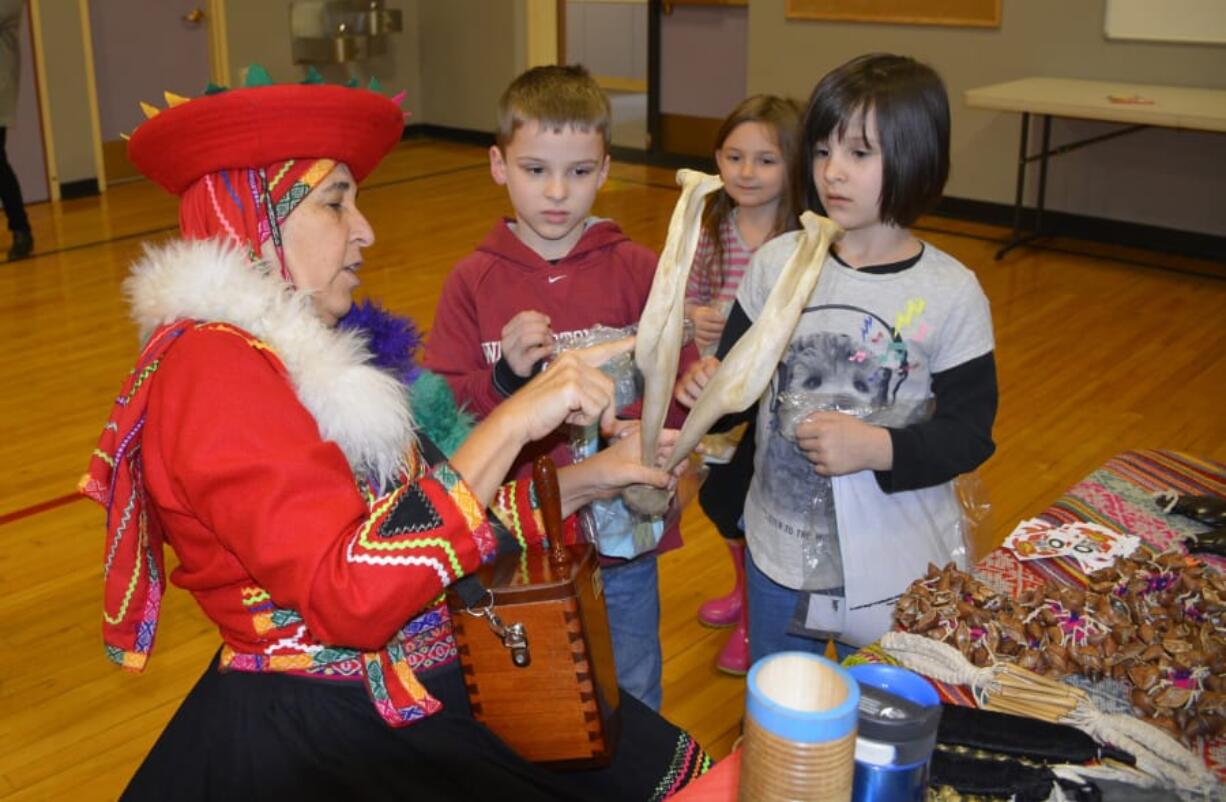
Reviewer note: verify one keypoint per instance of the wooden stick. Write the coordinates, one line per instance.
(545, 476)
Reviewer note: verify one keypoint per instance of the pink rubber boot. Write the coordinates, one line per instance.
(734, 658)
(725, 610)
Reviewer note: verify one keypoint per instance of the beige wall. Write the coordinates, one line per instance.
(1160, 177)
(258, 33)
(470, 50)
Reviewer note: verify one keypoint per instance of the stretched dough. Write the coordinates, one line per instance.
(657, 345)
(747, 369)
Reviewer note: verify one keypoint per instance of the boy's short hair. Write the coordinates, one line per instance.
(556, 96)
(912, 110)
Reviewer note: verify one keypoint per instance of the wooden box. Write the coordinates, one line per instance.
(561, 709)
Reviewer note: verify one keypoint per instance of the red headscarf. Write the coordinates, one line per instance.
(249, 205)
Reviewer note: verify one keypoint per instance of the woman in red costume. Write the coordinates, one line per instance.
(314, 521)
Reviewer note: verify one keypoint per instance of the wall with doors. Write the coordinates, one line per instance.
(1158, 177)
(703, 68)
(61, 33)
(141, 49)
(610, 38)
(256, 33)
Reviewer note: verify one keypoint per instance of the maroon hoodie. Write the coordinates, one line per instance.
(605, 279)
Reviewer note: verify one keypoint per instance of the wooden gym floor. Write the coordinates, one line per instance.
(1097, 354)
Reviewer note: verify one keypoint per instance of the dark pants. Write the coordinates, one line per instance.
(722, 495)
(10, 190)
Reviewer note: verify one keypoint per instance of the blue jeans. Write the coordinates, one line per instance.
(632, 596)
(770, 609)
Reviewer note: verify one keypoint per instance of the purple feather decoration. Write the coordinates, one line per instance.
(393, 340)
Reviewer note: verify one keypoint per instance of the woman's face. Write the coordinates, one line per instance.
(323, 240)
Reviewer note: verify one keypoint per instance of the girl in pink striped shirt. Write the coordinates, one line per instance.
(754, 149)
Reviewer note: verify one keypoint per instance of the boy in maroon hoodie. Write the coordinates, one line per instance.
(550, 275)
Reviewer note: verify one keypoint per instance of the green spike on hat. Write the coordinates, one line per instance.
(257, 76)
(313, 76)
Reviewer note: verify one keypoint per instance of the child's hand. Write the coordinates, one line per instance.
(839, 444)
(708, 325)
(690, 385)
(526, 340)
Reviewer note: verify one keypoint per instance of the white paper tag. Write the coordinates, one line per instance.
(826, 613)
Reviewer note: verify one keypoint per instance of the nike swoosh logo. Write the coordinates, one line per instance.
(552, 279)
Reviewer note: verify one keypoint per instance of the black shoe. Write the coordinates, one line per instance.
(22, 247)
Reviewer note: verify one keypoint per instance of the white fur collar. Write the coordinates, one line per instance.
(361, 408)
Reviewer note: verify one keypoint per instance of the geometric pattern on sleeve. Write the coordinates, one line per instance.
(413, 513)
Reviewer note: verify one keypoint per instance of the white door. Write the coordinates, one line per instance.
(141, 49)
(703, 63)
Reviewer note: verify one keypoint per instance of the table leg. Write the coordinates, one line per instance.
(1019, 195)
(1038, 217)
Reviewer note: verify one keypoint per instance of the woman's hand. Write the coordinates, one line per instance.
(526, 340)
(708, 325)
(839, 444)
(570, 391)
(689, 386)
(619, 465)
(597, 355)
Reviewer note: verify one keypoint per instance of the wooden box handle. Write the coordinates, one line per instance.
(545, 475)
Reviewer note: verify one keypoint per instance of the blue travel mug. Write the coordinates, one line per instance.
(899, 712)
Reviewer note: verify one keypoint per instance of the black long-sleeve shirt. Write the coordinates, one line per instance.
(958, 437)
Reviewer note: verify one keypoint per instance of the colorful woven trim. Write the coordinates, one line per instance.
(690, 761)
(133, 571)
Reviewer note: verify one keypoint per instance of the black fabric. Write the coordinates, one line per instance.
(10, 190)
(507, 381)
(413, 513)
(1021, 737)
(989, 777)
(737, 324)
(958, 437)
(885, 269)
(722, 494)
(997, 777)
(241, 736)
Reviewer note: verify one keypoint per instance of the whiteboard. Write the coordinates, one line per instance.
(1201, 21)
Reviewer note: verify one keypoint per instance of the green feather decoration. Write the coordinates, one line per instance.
(435, 411)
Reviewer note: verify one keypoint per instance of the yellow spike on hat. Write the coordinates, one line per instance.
(150, 111)
(124, 137)
(173, 100)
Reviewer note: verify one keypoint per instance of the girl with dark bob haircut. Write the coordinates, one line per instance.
(887, 389)
(912, 113)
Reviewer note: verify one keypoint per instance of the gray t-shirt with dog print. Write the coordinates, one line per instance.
(866, 344)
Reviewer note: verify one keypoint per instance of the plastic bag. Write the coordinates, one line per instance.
(615, 529)
(822, 608)
(976, 516)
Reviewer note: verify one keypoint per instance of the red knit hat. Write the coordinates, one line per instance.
(259, 125)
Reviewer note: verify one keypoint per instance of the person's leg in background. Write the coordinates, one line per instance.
(14, 206)
(632, 597)
(722, 498)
